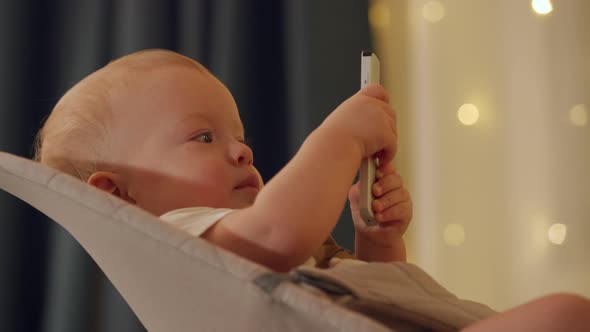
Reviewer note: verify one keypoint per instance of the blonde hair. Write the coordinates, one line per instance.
(75, 137)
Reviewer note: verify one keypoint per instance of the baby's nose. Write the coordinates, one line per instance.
(241, 154)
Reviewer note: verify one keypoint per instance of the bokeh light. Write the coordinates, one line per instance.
(379, 16)
(579, 115)
(433, 11)
(454, 235)
(557, 233)
(468, 114)
(542, 7)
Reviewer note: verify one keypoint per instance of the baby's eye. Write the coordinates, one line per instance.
(206, 137)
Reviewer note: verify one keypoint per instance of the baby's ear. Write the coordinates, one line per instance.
(111, 183)
(105, 181)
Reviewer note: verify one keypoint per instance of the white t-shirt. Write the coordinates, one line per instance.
(197, 220)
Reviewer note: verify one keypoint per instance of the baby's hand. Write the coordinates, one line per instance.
(367, 121)
(393, 211)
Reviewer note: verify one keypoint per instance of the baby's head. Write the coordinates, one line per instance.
(156, 129)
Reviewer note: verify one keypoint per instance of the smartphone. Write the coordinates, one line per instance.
(369, 74)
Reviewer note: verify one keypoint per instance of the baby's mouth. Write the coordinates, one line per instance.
(251, 182)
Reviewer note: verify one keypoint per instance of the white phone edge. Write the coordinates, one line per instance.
(369, 74)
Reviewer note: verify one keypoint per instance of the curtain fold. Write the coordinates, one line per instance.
(288, 64)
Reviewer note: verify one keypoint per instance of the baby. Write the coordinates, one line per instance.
(158, 130)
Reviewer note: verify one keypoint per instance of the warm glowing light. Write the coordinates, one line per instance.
(433, 11)
(542, 7)
(379, 14)
(468, 114)
(557, 233)
(454, 235)
(579, 115)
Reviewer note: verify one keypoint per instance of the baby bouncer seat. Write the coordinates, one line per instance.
(176, 282)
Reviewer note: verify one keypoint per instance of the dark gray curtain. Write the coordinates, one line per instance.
(288, 64)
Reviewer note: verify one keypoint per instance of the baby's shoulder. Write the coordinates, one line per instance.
(195, 220)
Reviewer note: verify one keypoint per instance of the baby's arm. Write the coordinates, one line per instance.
(296, 211)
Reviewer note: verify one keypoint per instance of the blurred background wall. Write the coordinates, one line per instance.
(493, 100)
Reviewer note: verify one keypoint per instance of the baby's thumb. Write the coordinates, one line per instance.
(353, 196)
(376, 91)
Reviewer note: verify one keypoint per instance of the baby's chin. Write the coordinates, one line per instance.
(244, 202)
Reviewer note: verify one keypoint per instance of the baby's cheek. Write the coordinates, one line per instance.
(260, 180)
(217, 182)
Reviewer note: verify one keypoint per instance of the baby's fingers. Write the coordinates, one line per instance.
(390, 199)
(376, 91)
(399, 212)
(384, 169)
(386, 184)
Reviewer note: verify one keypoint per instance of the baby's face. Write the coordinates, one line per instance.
(180, 133)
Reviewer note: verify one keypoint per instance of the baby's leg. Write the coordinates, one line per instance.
(559, 312)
